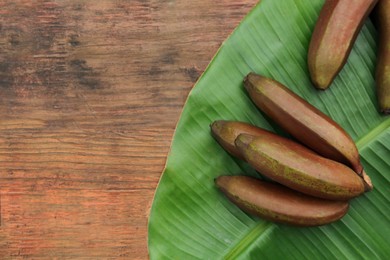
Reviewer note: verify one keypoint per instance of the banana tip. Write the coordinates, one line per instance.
(320, 85)
(248, 79)
(249, 75)
(245, 79)
(216, 125)
(367, 181)
(385, 111)
(221, 181)
(213, 124)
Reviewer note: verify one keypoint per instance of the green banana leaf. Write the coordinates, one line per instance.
(191, 219)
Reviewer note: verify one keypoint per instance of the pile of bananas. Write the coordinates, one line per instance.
(310, 178)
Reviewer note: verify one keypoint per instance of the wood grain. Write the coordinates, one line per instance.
(90, 93)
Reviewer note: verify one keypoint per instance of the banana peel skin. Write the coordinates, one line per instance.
(304, 122)
(226, 132)
(382, 76)
(335, 32)
(299, 168)
(277, 203)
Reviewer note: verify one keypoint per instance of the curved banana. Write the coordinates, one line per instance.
(304, 122)
(335, 32)
(383, 64)
(277, 203)
(297, 167)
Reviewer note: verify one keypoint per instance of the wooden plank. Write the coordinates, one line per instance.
(90, 92)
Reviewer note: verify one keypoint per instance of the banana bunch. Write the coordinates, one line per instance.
(312, 178)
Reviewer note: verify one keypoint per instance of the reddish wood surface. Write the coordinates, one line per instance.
(90, 93)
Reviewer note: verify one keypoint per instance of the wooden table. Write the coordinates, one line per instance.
(90, 93)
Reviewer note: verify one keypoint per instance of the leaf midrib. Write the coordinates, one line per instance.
(258, 230)
(372, 135)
